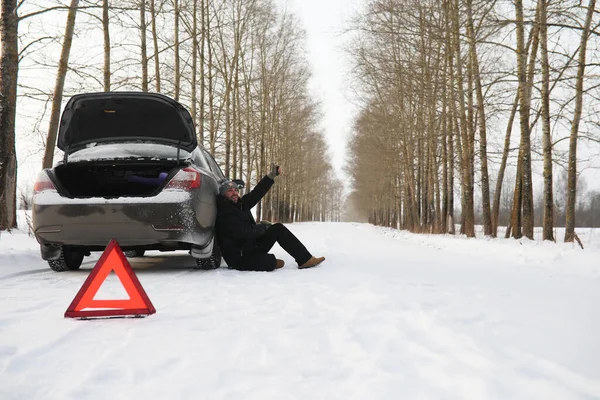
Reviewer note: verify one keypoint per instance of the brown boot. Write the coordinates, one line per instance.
(312, 262)
(280, 264)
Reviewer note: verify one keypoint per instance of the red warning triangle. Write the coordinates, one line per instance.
(112, 259)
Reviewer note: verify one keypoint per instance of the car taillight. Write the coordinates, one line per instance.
(43, 183)
(185, 179)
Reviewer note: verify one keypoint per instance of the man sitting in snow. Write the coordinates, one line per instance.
(245, 244)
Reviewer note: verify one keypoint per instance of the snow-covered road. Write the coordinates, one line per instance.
(389, 315)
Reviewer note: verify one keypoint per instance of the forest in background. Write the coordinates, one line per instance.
(462, 100)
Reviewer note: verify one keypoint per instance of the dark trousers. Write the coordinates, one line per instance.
(255, 255)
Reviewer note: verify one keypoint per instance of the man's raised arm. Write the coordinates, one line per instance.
(260, 190)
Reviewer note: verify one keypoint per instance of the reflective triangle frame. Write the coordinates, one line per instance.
(112, 259)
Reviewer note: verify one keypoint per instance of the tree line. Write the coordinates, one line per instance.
(237, 65)
(455, 94)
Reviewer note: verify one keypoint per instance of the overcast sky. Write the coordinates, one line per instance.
(324, 21)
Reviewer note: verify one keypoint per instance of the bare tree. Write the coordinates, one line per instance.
(502, 169)
(61, 74)
(485, 186)
(468, 225)
(548, 223)
(143, 45)
(8, 102)
(106, 32)
(153, 15)
(524, 109)
(194, 71)
(176, 45)
(202, 80)
(572, 179)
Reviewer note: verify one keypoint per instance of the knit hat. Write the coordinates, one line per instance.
(226, 186)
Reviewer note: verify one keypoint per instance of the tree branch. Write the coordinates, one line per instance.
(31, 44)
(45, 10)
(554, 25)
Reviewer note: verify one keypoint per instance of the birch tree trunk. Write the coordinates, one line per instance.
(143, 45)
(516, 214)
(501, 170)
(485, 185)
(451, 117)
(211, 95)
(518, 198)
(524, 108)
(61, 74)
(507, 136)
(451, 156)
(468, 225)
(572, 175)
(9, 63)
(240, 120)
(236, 121)
(246, 82)
(548, 221)
(193, 109)
(176, 45)
(202, 83)
(445, 129)
(155, 44)
(106, 32)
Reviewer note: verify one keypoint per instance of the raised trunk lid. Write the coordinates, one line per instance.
(91, 118)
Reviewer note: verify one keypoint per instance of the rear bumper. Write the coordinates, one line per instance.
(168, 220)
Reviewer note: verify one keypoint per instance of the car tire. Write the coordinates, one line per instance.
(212, 262)
(69, 260)
(134, 253)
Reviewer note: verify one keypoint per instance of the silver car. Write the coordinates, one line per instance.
(133, 171)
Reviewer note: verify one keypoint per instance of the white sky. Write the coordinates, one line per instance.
(323, 21)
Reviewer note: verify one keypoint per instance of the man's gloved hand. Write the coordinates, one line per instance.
(275, 171)
(266, 223)
(260, 228)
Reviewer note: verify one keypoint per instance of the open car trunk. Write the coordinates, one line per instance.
(81, 180)
(95, 118)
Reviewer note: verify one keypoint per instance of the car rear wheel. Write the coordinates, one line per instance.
(134, 253)
(212, 262)
(69, 260)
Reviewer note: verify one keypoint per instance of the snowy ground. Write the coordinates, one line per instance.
(389, 315)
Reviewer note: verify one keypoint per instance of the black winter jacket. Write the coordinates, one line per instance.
(235, 226)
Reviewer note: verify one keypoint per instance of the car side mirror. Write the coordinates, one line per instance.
(240, 183)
